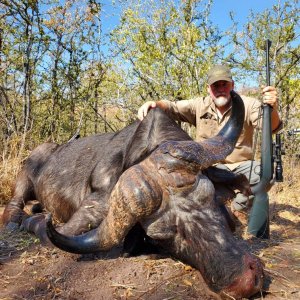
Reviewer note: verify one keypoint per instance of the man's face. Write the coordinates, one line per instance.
(220, 92)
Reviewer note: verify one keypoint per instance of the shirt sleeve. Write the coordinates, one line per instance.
(255, 112)
(256, 115)
(183, 110)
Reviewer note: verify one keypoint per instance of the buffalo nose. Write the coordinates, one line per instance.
(249, 282)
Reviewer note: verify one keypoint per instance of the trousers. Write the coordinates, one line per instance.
(251, 169)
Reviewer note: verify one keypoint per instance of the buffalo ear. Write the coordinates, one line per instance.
(156, 128)
(229, 180)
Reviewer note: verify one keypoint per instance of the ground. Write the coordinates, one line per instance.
(31, 271)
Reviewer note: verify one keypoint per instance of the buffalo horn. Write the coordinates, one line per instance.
(215, 149)
(130, 201)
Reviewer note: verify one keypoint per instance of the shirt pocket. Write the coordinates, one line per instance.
(207, 128)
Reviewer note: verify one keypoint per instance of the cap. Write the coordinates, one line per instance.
(219, 72)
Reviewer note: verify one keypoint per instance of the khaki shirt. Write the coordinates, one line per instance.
(201, 112)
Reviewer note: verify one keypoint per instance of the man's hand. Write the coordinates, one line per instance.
(270, 96)
(143, 110)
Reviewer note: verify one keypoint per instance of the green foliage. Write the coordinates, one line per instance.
(47, 51)
(280, 24)
(168, 47)
(57, 80)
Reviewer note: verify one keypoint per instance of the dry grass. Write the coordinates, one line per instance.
(280, 253)
(10, 164)
(285, 203)
(8, 172)
(12, 242)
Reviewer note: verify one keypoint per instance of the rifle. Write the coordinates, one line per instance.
(259, 225)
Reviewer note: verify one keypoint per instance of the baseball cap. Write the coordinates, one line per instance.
(219, 72)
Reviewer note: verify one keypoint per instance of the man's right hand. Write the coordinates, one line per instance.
(143, 110)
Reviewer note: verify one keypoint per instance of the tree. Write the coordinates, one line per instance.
(168, 47)
(280, 24)
(46, 48)
(19, 59)
(74, 30)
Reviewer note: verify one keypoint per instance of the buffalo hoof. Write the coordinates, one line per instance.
(12, 226)
(37, 224)
(12, 214)
(249, 282)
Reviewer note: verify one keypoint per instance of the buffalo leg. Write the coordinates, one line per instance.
(88, 216)
(36, 224)
(13, 212)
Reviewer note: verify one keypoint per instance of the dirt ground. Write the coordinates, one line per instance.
(31, 271)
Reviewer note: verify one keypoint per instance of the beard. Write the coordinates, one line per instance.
(221, 101)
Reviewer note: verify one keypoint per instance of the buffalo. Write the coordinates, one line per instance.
(149, 183)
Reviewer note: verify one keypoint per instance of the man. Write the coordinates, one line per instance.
(209, 114)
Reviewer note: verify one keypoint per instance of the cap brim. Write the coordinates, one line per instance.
(213, 80)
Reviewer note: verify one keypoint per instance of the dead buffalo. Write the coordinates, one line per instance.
(149, 180)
